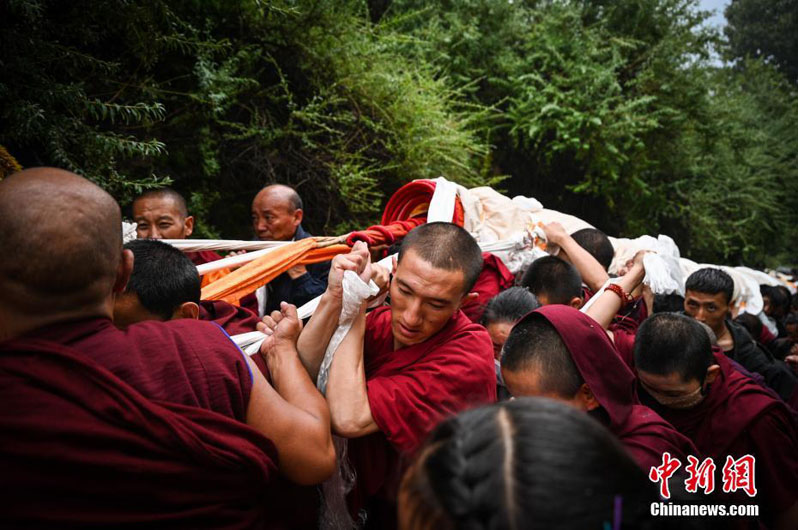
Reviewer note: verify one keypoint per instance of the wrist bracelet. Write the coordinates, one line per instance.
(625, 297)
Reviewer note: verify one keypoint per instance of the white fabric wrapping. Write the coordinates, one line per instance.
(238, 260)
(128, 232)
(441, 207)
(192, 245)
(663, 274)
(355, 291)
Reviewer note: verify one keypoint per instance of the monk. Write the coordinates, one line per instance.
(277, 214)
(402, 367)
(560, 353)
(164, 286)
(554, 281)
(56, 300)
(708, 294)
(163, 214)
(724, 412)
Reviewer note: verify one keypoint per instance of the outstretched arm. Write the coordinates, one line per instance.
(313, 341)
(593, 274)
(604, 309)
(292, 414)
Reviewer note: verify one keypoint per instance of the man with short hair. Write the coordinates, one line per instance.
(708, 295)
(164, 286)
(81, 374)
(597, 244)
(402, 367)
(554, 281)
(723, 411)
(277, 215)
(163, 214)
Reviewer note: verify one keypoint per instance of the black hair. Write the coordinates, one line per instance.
(711, 281)
(446, 246)
(671, 342)
(780, 297)
(163, 277)
(166, 193)
(668, 303)
(509, 306)
(556, 279)
(597, 244)
(751, 323)
(530, 463)
(535, 344)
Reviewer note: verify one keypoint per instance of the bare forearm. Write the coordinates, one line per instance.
(593, 274)
(302, 438)
(316, 335)
(609, 303)
(347, 395)
(291, 380)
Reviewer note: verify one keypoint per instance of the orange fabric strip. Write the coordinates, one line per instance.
(261, 271)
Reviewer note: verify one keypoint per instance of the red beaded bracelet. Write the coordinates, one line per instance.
(625, 297)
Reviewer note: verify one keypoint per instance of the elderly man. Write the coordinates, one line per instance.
(402, 367)
(277, 215)
(95, 417)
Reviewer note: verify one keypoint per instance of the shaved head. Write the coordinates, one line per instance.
(276, 213)
(61, 241)
(167, 194)
(283, 193)
(535, 346)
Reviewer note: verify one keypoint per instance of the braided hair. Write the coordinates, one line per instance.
(524, 464)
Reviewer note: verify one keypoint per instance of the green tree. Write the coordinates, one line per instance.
(220, 98)
(765, 29)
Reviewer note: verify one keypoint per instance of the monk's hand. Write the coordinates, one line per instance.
(282, 329)
(357, 260)
(555, 233)
(382, 277)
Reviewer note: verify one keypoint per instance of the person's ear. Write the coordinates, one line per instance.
(586, 398)
(188, 223)
(298, 216)
(395, 263)
(576, 302)
(123, 271)
(186, 310)
(712, 373)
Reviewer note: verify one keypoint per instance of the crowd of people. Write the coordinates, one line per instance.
(462, 396)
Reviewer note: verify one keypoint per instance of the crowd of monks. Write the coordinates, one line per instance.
(462, 396)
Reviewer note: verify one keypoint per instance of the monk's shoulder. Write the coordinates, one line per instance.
(467, 338)
(184, 335)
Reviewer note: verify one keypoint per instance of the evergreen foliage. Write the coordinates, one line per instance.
(608, 109)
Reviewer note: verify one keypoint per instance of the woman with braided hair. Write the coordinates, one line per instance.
(524, 464)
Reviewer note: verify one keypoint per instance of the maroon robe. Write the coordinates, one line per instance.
(641, 430)
(410, 390)
(203, 256)
(233, 319)
(738, 417)
(494, 278)
(182, 361)
(81, 447)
